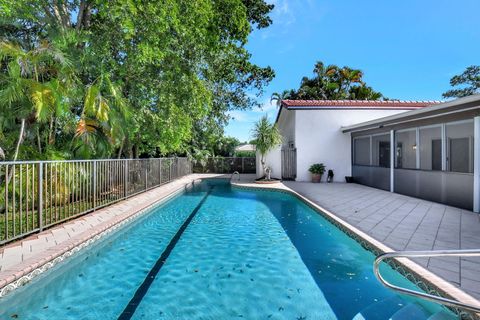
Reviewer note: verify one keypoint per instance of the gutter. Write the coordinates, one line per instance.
(460, 105)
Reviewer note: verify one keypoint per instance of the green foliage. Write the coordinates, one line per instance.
(245, 154)
(103, 78)
(331, 83)
(317, 168)
(266, 136)
(467, 83)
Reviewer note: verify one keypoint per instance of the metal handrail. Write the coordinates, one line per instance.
(235, 173)
(430, 253)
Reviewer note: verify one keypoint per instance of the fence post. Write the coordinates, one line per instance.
(40, 196)
(176, 167)
(125, 179)
(169, 169)
(161, 169)
(243, 165)
(159, 172)
(147, 163)
(94, 185)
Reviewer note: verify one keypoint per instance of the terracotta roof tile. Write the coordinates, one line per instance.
(358, 103)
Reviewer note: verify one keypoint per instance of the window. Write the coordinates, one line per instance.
(361, 149)
(406, 147)
(459, 145)
(430, 148)
(381, 151)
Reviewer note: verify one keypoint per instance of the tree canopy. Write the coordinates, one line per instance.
(465, 84)
(99, 78)
(331, 82)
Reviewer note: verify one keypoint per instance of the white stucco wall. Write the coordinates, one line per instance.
(286, 126)
(273, 160)
(319, 139)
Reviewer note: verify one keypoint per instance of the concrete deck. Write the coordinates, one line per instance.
(406, 223)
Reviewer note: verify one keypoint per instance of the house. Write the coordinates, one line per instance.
(311, 131)
(245, 148)
(425, 149)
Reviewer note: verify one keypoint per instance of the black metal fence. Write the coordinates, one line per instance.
(38, 194)
(225, 165)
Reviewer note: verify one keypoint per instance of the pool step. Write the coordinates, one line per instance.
(381, 310)
(441, 315)
(410, 311)
(395, 308)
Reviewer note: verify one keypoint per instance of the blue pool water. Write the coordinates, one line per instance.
(244, 255)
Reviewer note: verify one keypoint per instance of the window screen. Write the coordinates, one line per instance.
(361, 151)
(430, 148)
(405, 153)
(381, 151)
(460, 147)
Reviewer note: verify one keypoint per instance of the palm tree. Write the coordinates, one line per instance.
(104, 119)
(33, 85)
(267, 137)
(279, 97)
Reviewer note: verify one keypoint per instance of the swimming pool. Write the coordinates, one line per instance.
(218, 252)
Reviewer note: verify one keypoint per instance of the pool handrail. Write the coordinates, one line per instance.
(428, 253)
(237, 174)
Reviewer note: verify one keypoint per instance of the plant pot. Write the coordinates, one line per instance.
(316, 178)
(349, 179)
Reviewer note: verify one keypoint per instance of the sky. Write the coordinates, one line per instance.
(407, 49)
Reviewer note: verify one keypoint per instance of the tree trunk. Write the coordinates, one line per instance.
(262, 161)
(20, 139)
(39, 143)
(135, 151)
(51, 130)
(121, 148)
(15, 155)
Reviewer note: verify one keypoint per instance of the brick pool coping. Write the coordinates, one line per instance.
(23, 260)
(425, 279)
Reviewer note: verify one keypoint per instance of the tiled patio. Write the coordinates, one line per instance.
(406, 223)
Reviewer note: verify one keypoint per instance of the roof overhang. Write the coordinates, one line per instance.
(443, 109)
(353, 105)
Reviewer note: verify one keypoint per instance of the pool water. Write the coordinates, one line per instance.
(219, 252)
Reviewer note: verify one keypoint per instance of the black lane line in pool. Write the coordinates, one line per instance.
(143, 288)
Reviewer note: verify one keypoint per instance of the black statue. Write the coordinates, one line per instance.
(330, 176)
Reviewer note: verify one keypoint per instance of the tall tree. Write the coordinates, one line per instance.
(178, 65)
(33, 89)
(465, 84)
(331, 82)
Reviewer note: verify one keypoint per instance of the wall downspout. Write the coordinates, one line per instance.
(476, 164)
(392, 161)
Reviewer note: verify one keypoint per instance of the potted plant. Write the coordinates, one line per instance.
(317, 171)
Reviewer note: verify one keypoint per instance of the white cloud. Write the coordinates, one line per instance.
(251, 116)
